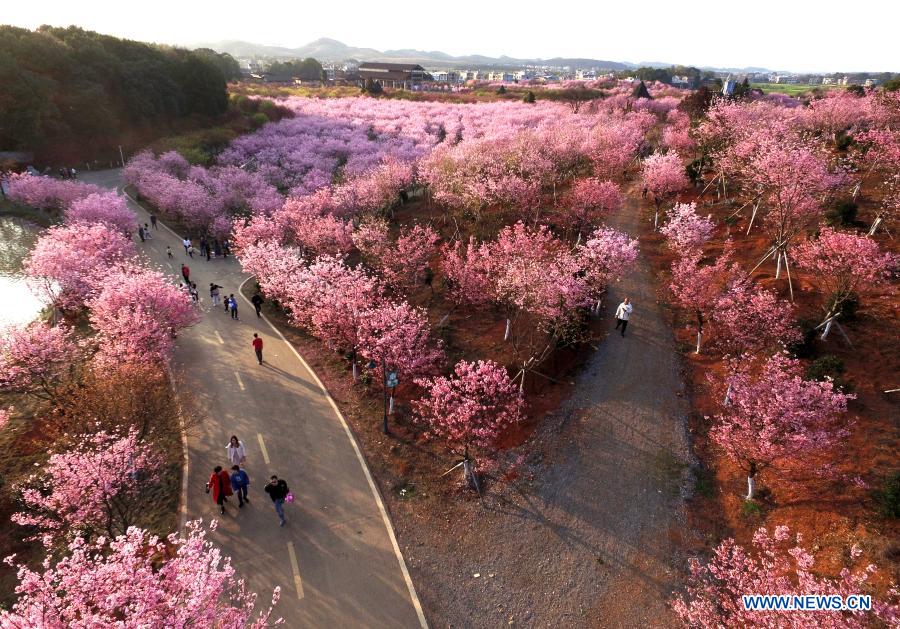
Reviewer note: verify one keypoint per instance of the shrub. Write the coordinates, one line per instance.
(529, 97)
(829, 366)
(843, 213)
(888, 497)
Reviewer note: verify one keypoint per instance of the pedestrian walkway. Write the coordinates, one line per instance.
(336, 559)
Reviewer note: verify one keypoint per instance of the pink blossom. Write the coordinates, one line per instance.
(685, 230)
(137, 314)
(36, 358)
(68, 263)
(136, 580)
(774, 565)
(105, 207)
(471, 408)
(95, 487)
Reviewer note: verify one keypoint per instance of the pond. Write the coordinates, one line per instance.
(17, 303)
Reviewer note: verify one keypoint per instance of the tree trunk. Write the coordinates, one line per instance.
(827, 328)
(355, 372)
(874, 226)
(508, 328)
(391, 405)
(751, 480)
(699, 338)
(727, 400)
(777, 264)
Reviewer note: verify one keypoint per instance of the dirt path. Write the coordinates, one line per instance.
(588, 541)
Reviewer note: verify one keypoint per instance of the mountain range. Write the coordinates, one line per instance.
(329, 50)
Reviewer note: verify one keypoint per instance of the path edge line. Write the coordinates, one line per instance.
(362, 462)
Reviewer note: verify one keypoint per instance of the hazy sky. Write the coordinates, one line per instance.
(800, 35)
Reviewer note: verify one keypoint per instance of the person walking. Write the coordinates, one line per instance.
(257, 302)
(220, 486)
(622, 314)
(226, 248)
(203, 245)
(186, 243)
(233, 307)
(208, 257)
(153, 221)
(147, 232)
(217, 248)
(169, 252)
(214, 294)
(190, 250)
(237, 455)
(141, 233)
(195, 294)
(257, 347)
(278, 491)
(186, 274)
(240, 483)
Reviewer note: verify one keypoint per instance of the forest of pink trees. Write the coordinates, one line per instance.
(509, 207)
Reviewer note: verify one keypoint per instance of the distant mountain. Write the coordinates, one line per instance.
(326, 49)
(332, 50)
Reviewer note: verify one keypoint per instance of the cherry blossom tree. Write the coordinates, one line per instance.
(401, 264)
(136, 580)
(748, 319)
(795, 181)
(605, 257)
(97, 486)
(843, 264)
(775, 565)
(471, 408)
(68, 263)
(663, 177)
(589, 201)
(137, 314)
(685, 230)
(468, 278)
(397, 337)
(697, 287)
(775, 417)
(37, 358)
(47, 193)
(677, 133)
(105, 207)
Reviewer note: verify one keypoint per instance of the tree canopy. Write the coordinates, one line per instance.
(67, 91)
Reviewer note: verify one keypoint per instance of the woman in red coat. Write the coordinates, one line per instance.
(220, 486)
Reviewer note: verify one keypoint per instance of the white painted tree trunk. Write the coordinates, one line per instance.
(468, 474)
(827, 329)
(508, 328)
(751, 487)
(727, 400)
(874, 226)
(355, 372)
(655, 219)
(597, 307)
(777, 264)
(699, 339)
(391, 405)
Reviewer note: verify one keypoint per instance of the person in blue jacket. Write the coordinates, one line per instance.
(240, 482)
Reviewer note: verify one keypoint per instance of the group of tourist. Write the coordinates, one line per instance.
(223, 484)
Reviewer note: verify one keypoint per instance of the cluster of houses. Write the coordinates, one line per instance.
(413, 76)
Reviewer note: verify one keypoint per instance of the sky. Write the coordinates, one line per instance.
(797, 35)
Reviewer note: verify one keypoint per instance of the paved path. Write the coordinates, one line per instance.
(336, 560)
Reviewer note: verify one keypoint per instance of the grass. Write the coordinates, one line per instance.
(39, 217)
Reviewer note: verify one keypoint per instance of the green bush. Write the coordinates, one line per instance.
(888, 497)
(751, 509)
(259, 119)
(829, 366)
(842, 213)
(806, 346)
(529, 97)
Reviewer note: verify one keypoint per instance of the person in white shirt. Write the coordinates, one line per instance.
(236, 453)
(622, 314)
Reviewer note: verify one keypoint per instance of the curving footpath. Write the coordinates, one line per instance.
(337, 560)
